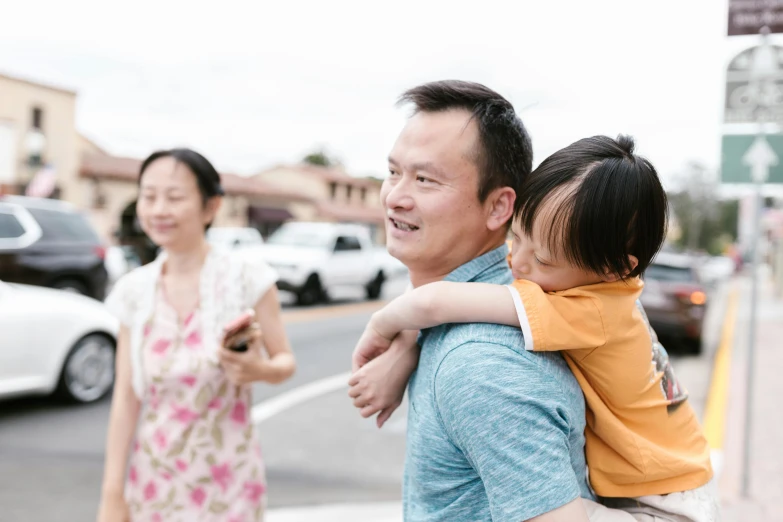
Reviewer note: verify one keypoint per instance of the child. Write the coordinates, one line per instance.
(586, 225)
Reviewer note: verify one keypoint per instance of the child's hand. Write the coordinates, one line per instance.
(379, 385)
(370, 345)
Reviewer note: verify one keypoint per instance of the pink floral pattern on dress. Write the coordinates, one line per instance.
(239, 413)
(195, 457)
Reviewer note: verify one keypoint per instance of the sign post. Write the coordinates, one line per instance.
(760, 157)
(754, 94)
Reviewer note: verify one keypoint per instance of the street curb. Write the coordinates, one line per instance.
(717, 398)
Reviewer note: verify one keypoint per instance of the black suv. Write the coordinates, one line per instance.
(47, 242)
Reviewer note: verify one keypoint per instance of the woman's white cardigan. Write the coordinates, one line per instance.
(231, 282)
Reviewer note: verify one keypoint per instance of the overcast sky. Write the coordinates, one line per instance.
(251, 86)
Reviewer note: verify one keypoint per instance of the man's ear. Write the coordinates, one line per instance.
(500, 205)
(611, 278)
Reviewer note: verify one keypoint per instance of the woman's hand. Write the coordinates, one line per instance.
(248, 366)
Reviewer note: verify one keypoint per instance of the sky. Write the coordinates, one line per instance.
(251, 85)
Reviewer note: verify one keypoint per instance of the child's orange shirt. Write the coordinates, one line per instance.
(642, 436)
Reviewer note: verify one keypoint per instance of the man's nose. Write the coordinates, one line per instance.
(398, 195)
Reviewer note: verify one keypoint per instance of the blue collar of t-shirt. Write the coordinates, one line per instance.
(478, 269)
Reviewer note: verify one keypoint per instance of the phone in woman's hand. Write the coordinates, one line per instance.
(237, 326)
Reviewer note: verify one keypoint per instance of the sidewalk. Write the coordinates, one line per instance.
(765, 502)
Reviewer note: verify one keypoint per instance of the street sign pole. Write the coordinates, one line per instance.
(754, 94)
(760, 157)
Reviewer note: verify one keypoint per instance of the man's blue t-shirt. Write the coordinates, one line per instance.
(495, 433)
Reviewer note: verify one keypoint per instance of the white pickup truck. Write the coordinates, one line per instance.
(314, 259)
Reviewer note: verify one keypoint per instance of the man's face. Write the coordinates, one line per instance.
(435, 222)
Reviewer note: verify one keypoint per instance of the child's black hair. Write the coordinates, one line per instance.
(606, 204)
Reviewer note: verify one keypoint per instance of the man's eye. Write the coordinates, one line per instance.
(392, 173)
(423, 179)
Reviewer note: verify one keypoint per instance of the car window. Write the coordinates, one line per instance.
(64, 226)
(345, 243)
(10, 228)
(671, 274)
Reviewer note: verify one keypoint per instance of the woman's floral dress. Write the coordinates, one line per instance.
(195, 457)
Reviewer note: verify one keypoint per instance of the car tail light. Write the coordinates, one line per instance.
(691, 296)
(100, 251)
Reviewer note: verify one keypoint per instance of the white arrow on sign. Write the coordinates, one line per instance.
(760, 157)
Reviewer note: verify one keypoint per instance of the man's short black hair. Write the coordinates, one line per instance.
(607, 204)
(505, 153)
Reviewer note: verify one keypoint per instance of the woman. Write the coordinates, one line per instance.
(183, 396)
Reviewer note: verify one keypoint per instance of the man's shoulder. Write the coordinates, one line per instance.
(454, 335)
(472, 353)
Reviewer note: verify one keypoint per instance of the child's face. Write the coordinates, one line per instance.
(531, 260)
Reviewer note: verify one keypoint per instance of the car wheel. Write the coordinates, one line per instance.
(311, 293)
(88, 372)
(70, 285)
(375, 287)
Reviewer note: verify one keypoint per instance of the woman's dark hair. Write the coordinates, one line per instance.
(607, 204)
(207, 177)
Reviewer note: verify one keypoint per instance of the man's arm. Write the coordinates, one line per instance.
(511, 421)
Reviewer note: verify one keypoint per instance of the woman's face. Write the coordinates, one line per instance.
(170, 207)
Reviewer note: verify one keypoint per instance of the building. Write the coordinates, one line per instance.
(37, 129)
(333, 194)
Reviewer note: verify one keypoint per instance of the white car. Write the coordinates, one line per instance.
(314, 259)
(55, 342)
(235, 237)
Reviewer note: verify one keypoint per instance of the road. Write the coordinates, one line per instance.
(319, 451)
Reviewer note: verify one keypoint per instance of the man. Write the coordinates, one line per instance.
(494, 432)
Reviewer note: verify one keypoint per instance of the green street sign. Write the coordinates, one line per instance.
(742, 153)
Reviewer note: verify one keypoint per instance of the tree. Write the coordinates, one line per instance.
(320, 158)
(706, 222)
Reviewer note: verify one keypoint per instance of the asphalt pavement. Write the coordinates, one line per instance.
(317, 452)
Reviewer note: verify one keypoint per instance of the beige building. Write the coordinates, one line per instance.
(37, 127)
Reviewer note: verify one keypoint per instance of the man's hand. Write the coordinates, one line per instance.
(379, 385)
(371, 344)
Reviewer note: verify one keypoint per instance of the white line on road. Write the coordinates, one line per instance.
(286, 400)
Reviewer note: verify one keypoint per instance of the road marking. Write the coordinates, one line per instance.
(715, 412)
(375, 512)
(269, 408)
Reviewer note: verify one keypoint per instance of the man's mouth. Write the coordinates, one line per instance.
(400, 225)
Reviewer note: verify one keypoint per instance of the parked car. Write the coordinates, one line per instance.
(55, 342)
(235, 237)
(675, 300)
(49, 243)
(314, 259)
(714, 269)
